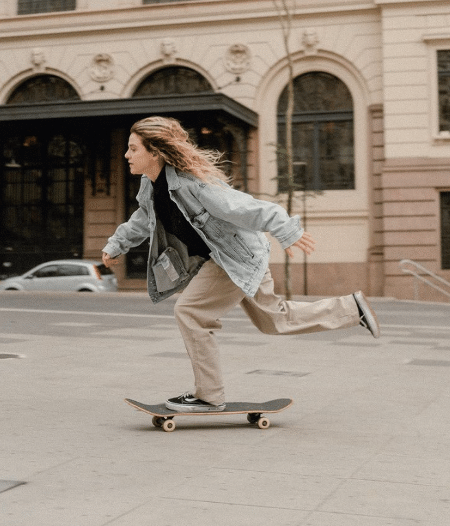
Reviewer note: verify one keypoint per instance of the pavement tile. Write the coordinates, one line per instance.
(344, 519)
(404, 468)
(428, 505)
(169, 512)
(244, 487)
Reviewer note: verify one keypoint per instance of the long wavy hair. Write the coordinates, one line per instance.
(166, 137)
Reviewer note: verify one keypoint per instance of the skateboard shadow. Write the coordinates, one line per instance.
(186, 426)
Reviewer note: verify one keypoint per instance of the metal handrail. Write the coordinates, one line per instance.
(418, 277)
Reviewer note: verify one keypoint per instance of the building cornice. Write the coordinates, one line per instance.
(168, 16)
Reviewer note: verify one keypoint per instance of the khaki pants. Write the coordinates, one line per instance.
(211, 294)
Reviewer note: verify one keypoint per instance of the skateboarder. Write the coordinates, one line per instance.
(207, 239)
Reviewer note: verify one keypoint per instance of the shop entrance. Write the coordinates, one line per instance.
(41, 196)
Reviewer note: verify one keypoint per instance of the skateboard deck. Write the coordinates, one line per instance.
(163, 417)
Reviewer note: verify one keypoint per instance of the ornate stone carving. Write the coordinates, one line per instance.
(237, 59)
(168, 50)
(102, 68)
(310, 39)
(38, 59)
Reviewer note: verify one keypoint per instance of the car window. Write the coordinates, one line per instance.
(72, 270)
(50, 271)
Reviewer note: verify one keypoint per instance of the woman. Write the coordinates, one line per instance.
(207, 239)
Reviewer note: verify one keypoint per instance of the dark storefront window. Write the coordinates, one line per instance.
(42, 173)
(322, 133)
(41, 199)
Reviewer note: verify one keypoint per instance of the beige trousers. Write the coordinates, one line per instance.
(211, 294)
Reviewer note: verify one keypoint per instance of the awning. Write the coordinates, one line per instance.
(168, 104)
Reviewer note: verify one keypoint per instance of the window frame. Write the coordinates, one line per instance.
(316, 118)
(435, 43)
(35, 7)
(438, 78)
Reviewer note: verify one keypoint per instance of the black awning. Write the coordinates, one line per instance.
(168, 104)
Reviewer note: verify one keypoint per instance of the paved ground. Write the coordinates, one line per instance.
(365, 444)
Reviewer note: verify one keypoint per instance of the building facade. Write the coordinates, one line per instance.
(370, 125)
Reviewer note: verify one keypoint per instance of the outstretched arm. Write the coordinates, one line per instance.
(305, 243)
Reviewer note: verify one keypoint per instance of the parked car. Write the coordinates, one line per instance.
(67, 275)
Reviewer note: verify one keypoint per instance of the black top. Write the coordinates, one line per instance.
(173, 219)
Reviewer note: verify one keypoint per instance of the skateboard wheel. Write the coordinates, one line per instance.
(168, 425)
(263, 423)
(157, 421)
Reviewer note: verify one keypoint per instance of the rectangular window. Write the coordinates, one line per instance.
(445, 230)
(29, 7)
(443, 66)
(323, 155)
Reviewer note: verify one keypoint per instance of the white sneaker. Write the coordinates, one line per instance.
(368, 318)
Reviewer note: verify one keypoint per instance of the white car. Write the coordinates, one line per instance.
(66, 275)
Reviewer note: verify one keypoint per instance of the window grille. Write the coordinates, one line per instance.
(443, 58)
(41, 196)
(42, 88)
(29, 7)
(173, 80)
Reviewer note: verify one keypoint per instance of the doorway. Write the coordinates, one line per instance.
(41, 196)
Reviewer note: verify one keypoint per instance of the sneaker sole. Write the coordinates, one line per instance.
(193, 408)
(369, 314)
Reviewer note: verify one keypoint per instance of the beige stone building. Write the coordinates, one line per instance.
(371, 125)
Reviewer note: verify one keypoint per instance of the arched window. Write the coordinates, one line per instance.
(173, 80)
(42, 88)
(322, 134)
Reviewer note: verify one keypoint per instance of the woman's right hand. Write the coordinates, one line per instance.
(108, 261)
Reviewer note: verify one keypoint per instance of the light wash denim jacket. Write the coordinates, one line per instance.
(230, 222)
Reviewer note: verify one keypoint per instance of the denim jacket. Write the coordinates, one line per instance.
(230, 222)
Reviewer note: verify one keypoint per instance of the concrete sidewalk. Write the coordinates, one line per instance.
(366, 442)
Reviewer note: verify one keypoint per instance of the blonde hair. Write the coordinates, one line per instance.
(165, 136)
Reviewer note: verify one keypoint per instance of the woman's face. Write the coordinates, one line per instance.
(140, 160)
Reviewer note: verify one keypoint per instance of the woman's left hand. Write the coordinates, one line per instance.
(305, 243)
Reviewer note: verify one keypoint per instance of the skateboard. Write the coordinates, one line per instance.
(163, 417)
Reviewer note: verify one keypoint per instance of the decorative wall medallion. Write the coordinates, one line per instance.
(168, 50)
(102, 68)
(237, 59)
(38, 58)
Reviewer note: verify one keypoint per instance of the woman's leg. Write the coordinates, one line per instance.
(273, 315)
(198, 310)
